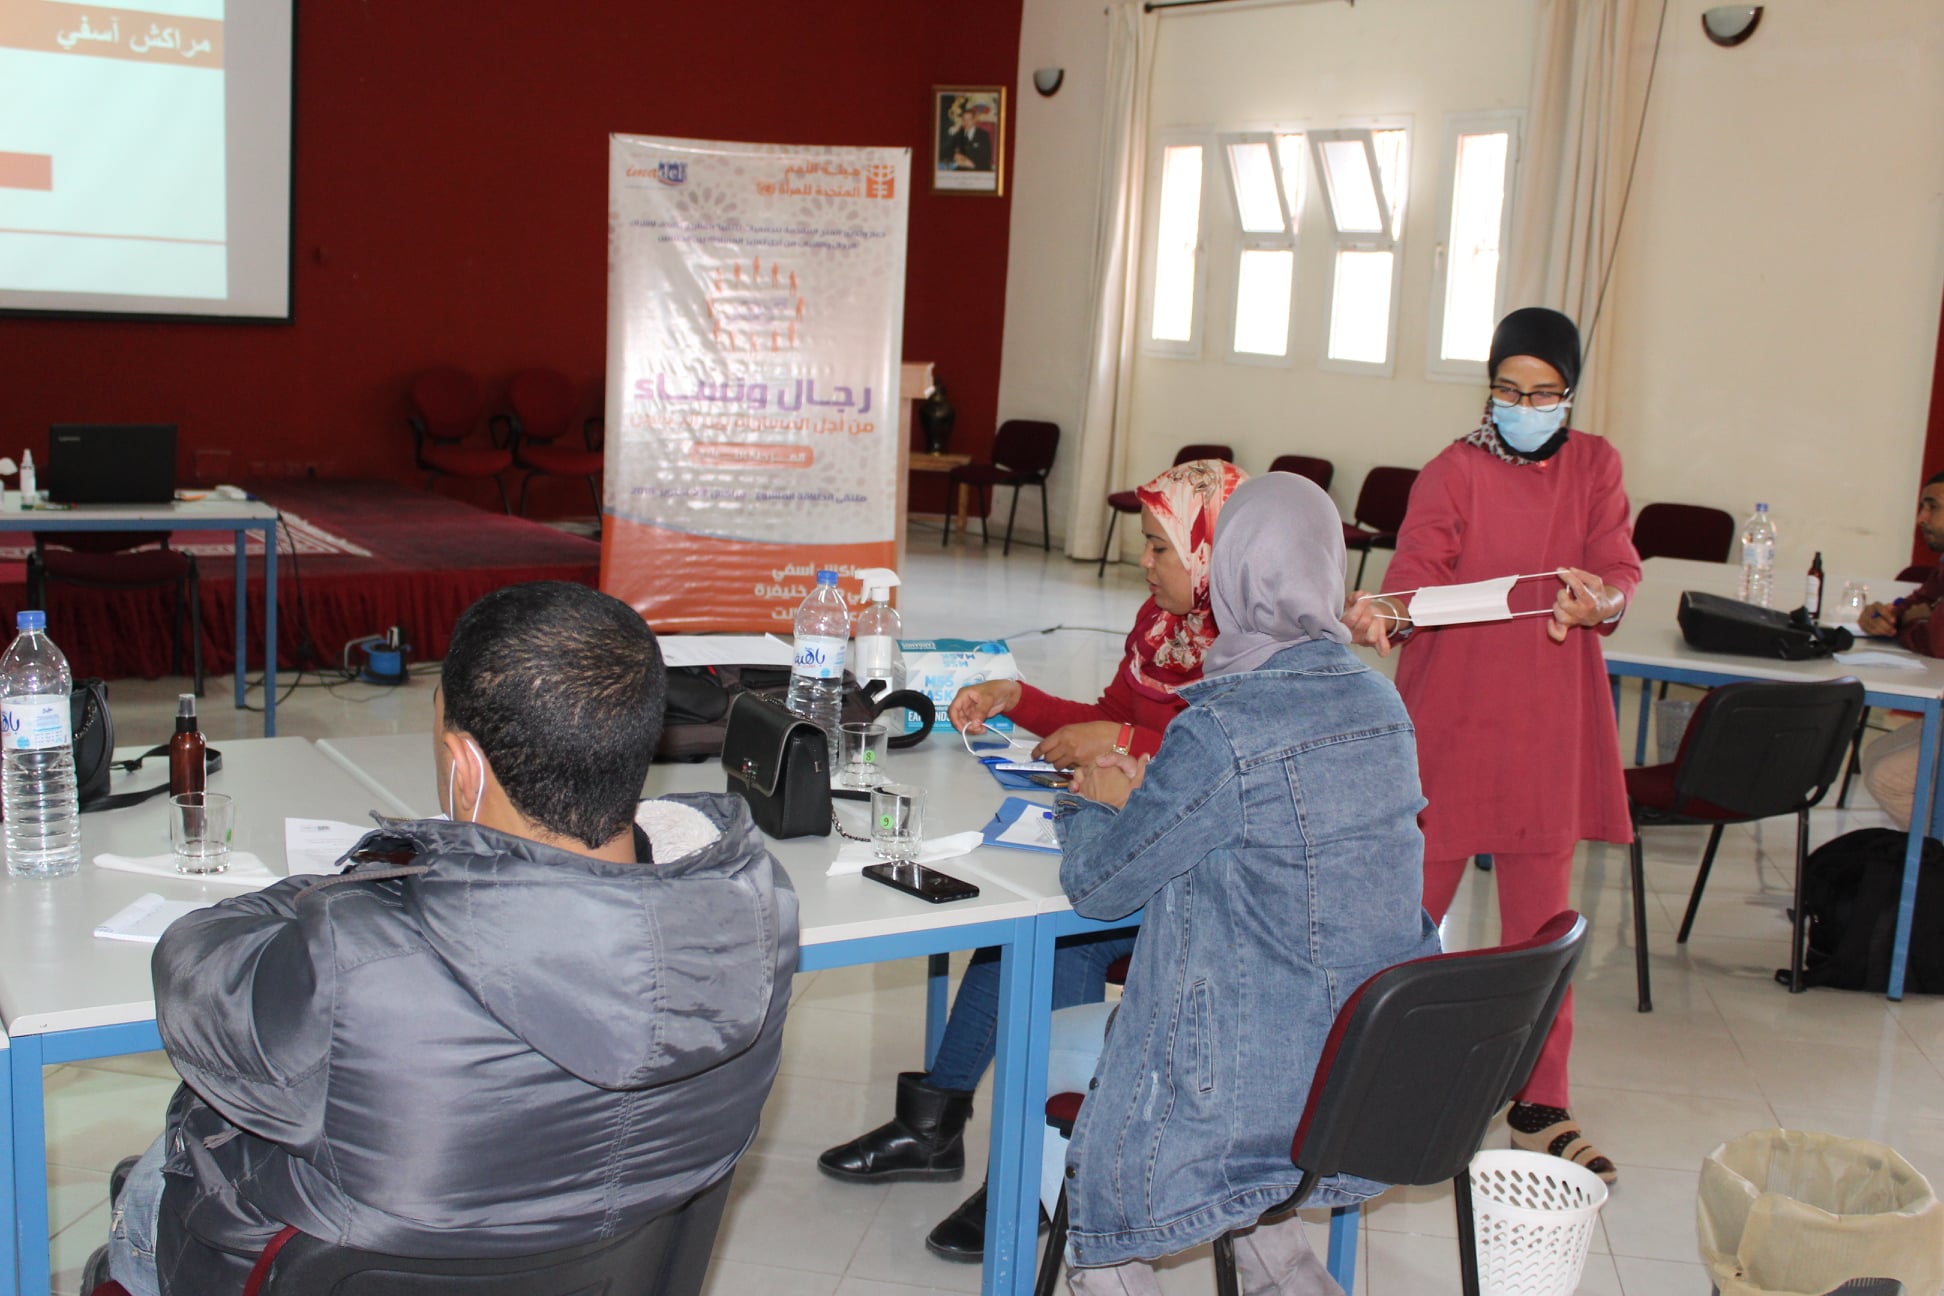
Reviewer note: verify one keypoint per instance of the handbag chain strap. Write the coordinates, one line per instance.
(844, 832)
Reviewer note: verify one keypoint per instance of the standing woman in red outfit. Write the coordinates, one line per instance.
(1516, 738)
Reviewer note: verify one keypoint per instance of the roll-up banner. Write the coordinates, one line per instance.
(755, 322)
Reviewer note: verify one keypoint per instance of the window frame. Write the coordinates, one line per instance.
(1247, 241)
(1160, 141)
(1511, 122)
(1390, 240)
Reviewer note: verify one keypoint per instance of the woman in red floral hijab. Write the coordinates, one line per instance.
(1171, 633)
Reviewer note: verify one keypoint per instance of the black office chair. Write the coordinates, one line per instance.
(667, 1256)
(1129, 502)
(1417, 1064)
(1684, 531)
(124, 560)
(1022, 455)
(1752, 751)
(1320, 471)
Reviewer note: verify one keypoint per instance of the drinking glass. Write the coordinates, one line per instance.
(1856, 597)
(897, 821)
(862, 764)
(200, 827)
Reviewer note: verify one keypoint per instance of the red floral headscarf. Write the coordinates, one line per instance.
(1165, 649)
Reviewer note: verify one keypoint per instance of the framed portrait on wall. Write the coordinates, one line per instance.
(969, 140)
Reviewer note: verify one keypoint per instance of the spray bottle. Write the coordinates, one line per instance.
(878, 628)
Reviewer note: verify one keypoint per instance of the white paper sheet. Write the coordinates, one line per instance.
(144, 919)
(725, 650)
(1033, 827)
(245, 870)
(316, 845)
(1879, 658)
(1440, 605)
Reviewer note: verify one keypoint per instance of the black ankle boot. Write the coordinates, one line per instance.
(925, 1140)
(960, 1236)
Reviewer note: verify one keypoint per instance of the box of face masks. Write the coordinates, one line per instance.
(939, 668)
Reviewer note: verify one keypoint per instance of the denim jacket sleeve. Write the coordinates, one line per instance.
(1114, 861)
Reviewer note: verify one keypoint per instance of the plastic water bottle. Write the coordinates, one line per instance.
(817, 672)
(1758, 557)
(37, 787)
(878, 630)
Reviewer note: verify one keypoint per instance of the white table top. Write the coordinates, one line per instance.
(1649, 635)
(184, 515)
(54, 974)
(833, 909)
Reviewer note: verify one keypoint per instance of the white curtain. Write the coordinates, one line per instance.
(1102, 457)
(1592, 61)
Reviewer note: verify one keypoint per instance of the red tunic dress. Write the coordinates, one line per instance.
(1042, 713)
(1517, 745)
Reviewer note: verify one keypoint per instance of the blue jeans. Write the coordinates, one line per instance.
(132, 1228)
(1079, 977)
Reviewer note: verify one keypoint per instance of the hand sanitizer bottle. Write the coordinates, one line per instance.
(878, 629)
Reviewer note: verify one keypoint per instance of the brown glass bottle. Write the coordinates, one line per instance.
(187, 751)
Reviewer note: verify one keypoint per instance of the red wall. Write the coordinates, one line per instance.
(451, 206)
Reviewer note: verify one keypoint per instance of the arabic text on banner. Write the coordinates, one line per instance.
(755, 314)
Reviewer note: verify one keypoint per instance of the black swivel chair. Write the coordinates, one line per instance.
(1752, 751)
(1417, 1064)
(1022, 455)
(667, 1256)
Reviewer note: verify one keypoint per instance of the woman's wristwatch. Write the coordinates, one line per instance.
(1125, 743)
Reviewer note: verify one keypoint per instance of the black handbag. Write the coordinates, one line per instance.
(1711, 623)
(780, 764)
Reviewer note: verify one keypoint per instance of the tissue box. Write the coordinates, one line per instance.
(939, 668)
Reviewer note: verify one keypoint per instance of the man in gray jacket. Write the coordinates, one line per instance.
(541, 1023)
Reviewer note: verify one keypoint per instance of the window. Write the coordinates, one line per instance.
(1174, 284)
(1265, 179)
(1467, 283)
(1364, 173)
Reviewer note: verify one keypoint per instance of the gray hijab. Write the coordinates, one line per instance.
(1275, 577)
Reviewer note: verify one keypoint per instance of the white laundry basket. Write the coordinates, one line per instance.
(1532, 1216)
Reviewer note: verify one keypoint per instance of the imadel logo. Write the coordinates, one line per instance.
(671, 173)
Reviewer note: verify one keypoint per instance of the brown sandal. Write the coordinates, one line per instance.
(1563, 1139)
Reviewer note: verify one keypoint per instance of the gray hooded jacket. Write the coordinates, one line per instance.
(514, 1050)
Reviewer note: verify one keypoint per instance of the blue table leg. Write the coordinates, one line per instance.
(1640, 728)
(269, 630)
(1018, 1111)
(29, 1166)
(937, 1005)
(1343, 1246)
(8, 1251)
(1927, 810)
(242, 613)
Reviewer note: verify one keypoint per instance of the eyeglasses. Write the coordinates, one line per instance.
(1507, 395)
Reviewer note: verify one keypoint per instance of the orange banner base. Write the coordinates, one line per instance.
(691, 583)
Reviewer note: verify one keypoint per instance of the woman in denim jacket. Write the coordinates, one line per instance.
(1274, 844)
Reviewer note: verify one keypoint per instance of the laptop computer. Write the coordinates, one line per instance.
(110, 463)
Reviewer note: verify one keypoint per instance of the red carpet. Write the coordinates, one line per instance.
(370, 555)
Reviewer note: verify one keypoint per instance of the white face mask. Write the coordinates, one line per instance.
(452, 786)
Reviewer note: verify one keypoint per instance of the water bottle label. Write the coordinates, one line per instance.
(36, 721)
(819, 656)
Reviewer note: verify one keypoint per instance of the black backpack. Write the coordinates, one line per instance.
(697, 714)
(1850, 888)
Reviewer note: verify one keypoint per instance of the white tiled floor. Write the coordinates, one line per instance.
(1725, 1051)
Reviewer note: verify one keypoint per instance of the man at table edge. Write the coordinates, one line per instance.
(547, 1019)
(1890, 763)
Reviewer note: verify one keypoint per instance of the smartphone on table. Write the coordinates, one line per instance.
(927, 884)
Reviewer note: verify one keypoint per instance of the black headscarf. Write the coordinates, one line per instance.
(1541, 333)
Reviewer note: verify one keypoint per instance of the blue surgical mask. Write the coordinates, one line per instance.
(1526, 429)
